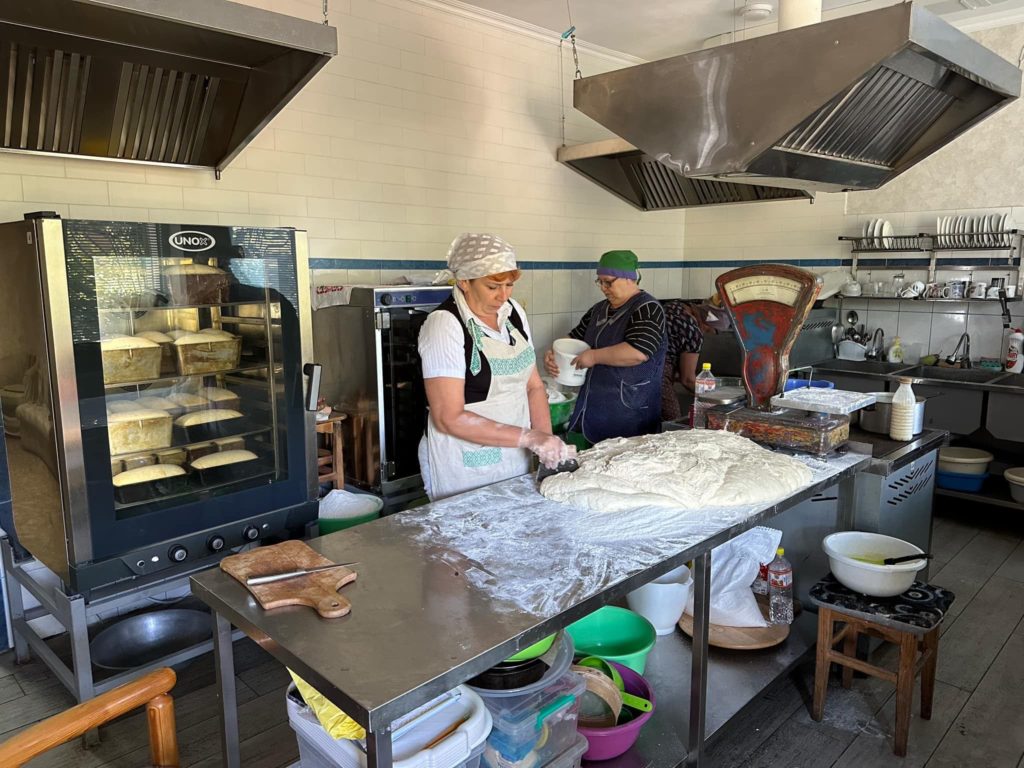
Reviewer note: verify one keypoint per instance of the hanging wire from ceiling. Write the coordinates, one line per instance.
(570, 35)
(325, 11)
(1020, 57)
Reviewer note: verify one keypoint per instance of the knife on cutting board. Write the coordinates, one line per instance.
(270, 578)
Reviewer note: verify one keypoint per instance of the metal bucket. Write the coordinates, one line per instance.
(148, 637)
(875, 418)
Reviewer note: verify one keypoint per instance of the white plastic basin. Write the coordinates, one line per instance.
(1015, 477)
(867, 578)
(662, 601)
(965, 461)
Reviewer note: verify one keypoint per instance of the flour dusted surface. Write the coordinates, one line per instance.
(688, 470)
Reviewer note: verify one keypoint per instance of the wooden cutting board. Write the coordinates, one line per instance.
(742, 638)
(318, 590)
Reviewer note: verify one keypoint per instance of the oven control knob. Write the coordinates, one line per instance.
(250, 533)
(215, 543)
(177, 554)
(386, 299)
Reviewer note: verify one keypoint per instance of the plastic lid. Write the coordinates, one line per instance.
(706, 367)
(780, 551)
(906, 380)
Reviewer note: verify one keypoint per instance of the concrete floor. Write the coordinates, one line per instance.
(978, 717)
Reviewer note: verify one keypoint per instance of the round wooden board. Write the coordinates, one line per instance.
(741, 638)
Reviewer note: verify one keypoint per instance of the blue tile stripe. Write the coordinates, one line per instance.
(429, 264)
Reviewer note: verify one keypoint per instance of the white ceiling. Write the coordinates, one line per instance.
(654, 29)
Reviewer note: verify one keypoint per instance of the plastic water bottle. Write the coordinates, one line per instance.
(780, 589)
(705, 382)
(904, 403)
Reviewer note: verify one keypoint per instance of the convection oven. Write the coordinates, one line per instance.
(366, 340)
(166, 416)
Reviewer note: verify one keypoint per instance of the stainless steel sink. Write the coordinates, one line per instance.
(860, 366)
(972, 375)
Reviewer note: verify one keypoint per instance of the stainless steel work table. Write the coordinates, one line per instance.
(427, 616)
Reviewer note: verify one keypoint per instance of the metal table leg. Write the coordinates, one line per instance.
(699, 658)
(17, 604)
(225, 665)
(378, 749)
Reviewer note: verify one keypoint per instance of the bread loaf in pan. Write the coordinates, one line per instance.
(200, 426)
(140, 430)
(189, 284)
(168, 364)
(207, 353)
(226, 466)
(149, 483)
(127, 358)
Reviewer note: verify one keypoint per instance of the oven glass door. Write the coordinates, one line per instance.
(186, 349)
(405, 401)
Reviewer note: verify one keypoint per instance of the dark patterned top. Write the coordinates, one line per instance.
(644, 332)
(919, 609)
(684, 334)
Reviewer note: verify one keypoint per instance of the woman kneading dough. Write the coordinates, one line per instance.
(488, 406)
(621, 396)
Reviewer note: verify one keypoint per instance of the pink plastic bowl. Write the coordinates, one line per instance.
(606, 743)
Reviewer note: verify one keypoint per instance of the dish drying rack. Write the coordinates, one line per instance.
(873, 252)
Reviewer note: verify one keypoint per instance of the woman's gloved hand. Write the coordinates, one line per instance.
(549, 363)
(549, 449)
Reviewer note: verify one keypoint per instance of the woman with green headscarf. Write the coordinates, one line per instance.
(621, 396)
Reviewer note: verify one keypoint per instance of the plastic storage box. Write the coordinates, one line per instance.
(958, 481)
(543, 722)
(570, 758)
(462, 749)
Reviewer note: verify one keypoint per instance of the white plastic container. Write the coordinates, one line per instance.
(461, 749)
(868, 578)
(566, 350)
(1015, 477)
(662, 601)
(964, 461)
(1015, 351)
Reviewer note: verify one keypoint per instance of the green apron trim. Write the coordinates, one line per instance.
(481, 457)
(514, 365)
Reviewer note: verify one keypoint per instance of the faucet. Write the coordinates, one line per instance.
(877, 345)
(965, 358)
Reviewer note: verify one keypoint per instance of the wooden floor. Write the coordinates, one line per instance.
(979, 700)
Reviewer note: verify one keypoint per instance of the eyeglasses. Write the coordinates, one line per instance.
(606, 283)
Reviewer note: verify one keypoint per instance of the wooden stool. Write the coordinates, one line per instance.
(910, 620)
(330, 462)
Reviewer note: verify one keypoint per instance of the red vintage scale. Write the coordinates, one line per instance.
(768, 304)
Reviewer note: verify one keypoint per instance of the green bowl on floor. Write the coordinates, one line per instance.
(615, 634)
(537, 649)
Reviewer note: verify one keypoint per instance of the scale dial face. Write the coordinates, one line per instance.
(781, 290)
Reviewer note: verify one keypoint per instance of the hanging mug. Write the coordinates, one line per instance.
(954, 289)
(978, 290)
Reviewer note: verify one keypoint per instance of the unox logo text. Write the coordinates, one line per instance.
(191, 240)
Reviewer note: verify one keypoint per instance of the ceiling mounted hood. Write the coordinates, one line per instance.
(184, 82)
(649, 185)
(847, 104)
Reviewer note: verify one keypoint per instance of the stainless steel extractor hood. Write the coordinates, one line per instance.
(842, 105)
(185, 82)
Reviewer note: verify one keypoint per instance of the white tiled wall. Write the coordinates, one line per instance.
(428, 123)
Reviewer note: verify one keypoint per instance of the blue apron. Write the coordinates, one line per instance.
(619, 402)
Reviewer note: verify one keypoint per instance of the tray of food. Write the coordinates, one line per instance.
(129, 358)
(207, 353)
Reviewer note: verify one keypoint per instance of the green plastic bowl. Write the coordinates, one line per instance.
(537, 649)
(615, 634)
(562, 412)
(333, 525)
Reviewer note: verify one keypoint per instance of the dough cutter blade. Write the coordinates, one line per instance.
(569, 465)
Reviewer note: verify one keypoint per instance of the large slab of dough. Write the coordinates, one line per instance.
(689, 470)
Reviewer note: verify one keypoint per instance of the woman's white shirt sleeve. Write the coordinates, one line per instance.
(442, 347)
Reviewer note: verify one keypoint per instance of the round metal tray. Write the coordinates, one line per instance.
(148, 637)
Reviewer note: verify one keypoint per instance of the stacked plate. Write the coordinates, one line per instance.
(877, 233)
(973, 231)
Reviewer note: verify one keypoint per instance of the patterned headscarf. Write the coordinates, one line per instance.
(471, 256)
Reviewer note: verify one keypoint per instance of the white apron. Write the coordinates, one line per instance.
(452, 465)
